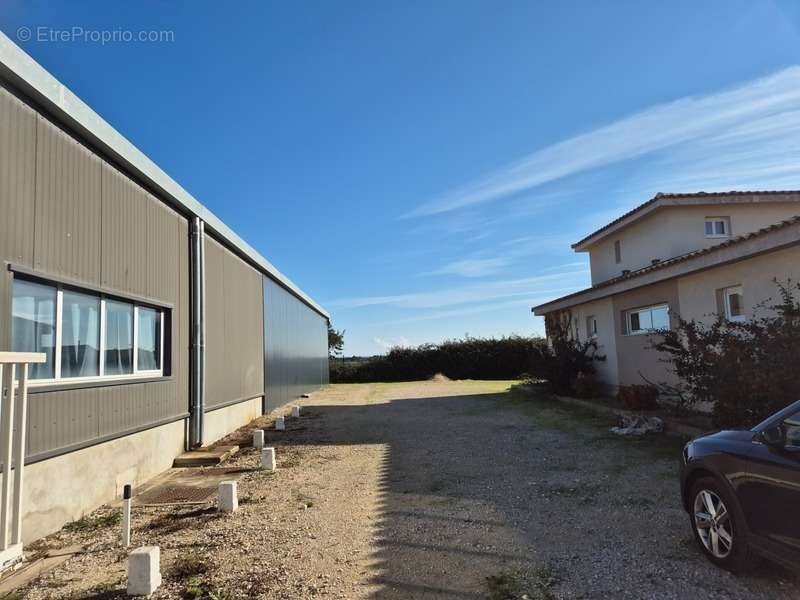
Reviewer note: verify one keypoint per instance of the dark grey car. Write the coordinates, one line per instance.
(742, 492)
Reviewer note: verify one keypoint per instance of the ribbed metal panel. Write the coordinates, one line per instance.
(67, 230)
(66, 418)
(296, 346)
(125, 233)
(17, 161)
(64, 212)
(234, 328)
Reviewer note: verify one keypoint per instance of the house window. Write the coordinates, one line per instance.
(717, 227)
(646, 320)
(618, 251)
(86, 336)
(733, 303)
(591, 327)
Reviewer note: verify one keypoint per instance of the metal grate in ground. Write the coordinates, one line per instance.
(182, 494)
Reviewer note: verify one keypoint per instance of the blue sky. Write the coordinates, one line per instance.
(421, 168)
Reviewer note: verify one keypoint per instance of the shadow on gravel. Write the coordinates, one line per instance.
(483, 488)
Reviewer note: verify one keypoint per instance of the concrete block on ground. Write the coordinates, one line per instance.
(268, 459)
(228, 500)
(258, 438)
(295, 411)
(280, 423)
(144, 571)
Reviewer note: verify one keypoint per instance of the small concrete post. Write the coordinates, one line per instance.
(228, 500)
(268, 459)
(258, 438)
(144, 571)
(296, 411)
(126, 515)
(280, 423)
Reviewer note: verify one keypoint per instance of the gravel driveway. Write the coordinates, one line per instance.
(434, 490)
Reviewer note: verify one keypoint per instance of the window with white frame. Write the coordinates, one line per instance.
(648, 319)
(591, 327)
(86, 336)
(718, 227)
(734, 310)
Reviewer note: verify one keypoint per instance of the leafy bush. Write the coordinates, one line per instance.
(470, 358)
(569, 359)
(747, 370)
(587, 386)
(638, 397)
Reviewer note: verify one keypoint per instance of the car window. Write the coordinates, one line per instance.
(792, 426)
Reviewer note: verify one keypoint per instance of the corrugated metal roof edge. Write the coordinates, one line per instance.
(76, 112)
(677, 259)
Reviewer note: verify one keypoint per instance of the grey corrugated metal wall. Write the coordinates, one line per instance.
(65, 213)
(296, 346)
(68, 214)
(234, 331)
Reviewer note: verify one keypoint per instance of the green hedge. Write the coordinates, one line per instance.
(470, 358)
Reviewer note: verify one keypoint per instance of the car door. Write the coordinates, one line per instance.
(772, 498)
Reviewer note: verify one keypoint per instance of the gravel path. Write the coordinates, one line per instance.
(430, 490)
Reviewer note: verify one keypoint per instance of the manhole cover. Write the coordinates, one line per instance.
(176, 495)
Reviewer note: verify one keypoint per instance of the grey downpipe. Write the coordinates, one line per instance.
(197, 349)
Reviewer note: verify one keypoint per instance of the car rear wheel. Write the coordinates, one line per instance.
(717, 525)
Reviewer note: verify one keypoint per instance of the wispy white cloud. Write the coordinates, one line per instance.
(485, 291)
(389, 343)
(525, 304)
(762, 109)
(472, 267)
(571, 265)
(506, 254)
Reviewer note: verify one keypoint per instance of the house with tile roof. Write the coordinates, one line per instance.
(697, 256)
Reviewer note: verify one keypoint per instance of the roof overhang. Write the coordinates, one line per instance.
(695, 199)
(50, 96)
(770, 239)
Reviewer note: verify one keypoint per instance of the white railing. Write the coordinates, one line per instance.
(13, 416)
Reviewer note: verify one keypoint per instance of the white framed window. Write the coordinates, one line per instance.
(648, 319)
(718, 227)
(591, 327)
(87, 336)
(734, 308)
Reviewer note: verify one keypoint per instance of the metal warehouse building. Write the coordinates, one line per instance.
(163, 330)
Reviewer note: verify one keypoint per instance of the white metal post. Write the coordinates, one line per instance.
(21, 414)
(13, 417)
(126, 515)
(6, 446)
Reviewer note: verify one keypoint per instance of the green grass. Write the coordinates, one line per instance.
(91, 523)
(549, 413)
(197, 589)
(189, 566)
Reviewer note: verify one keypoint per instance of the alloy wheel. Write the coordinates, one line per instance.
(713, 523)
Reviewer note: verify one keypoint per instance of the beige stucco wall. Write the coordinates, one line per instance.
(65, 488)
(697, 292)
(636, 360)
(676, 230)
(603, 311)
(220, 422)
